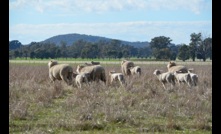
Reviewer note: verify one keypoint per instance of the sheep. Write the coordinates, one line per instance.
(116, 77)
(80, 78)
(92, 63)
(167, 77)
(60, 72)
(194, 77)
(183, 77)
(172, 67)
(95, 63)
(125, 65)
(135, 70)
(96, 72)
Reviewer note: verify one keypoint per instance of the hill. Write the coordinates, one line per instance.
(71, 38)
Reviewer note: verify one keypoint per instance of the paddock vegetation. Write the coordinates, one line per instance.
(37, 106)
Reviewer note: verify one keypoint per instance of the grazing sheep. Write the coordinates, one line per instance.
(95, 63)
(164, 78)
(60, 72)
(183, 77)
(135, 70)
(125, 67)
(172, 67)
(80, 78)
(92, 63)
(96, 72)
(194, 77)
(116, 77)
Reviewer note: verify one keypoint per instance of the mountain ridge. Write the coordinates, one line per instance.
(73, 37)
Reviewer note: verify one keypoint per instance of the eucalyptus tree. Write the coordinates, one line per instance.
(160, 47)
(183, 53)
(194, 44)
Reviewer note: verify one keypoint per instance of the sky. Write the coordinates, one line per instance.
(128, 20)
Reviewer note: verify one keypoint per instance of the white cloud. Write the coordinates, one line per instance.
(179, 32)
(100, 6)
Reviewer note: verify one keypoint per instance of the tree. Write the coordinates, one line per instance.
(195, 41)
(183, 52)
(205, 49)
(159, 46)
(63, 49)
(16, 53)
(14, 44)
(32, 55)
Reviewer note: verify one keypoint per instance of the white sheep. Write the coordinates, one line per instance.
(194, 77)
(167, 77)
(125, 67)
(172, 67)
(183, 78)
(135, 70)
(80, 78)
(60, 72)
(116, 77)
(97, 72)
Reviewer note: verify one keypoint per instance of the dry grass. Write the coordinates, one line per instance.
(37, 106)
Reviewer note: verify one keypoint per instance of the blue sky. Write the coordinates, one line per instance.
(129, 20)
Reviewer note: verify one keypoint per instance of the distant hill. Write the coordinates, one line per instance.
(71, 38)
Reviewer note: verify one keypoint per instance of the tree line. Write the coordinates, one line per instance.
(160, 48)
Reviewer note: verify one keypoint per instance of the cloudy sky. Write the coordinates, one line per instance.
(129, 20)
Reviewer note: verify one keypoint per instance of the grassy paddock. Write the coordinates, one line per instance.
(37, 106)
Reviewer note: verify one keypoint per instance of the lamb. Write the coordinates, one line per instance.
(125, 67)
(96, 72)
(172, 67)
(116, 77)
(194, 77)
(183, 78)
(60, 72)
(167, 77)
(80, 78)
(135, 70)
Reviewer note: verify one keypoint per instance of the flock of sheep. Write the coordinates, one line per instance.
(95, 72)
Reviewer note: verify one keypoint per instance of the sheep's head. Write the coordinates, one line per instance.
(79, 67)
(123, 62)
(170, 64)
(131, 68)
(157, 72)
(111, 72)
(52, 63)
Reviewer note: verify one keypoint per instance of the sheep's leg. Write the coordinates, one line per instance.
(69, 77)
(78, 84)
(52, 79)
(164, 85)
(179, 83)
(189, 84)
